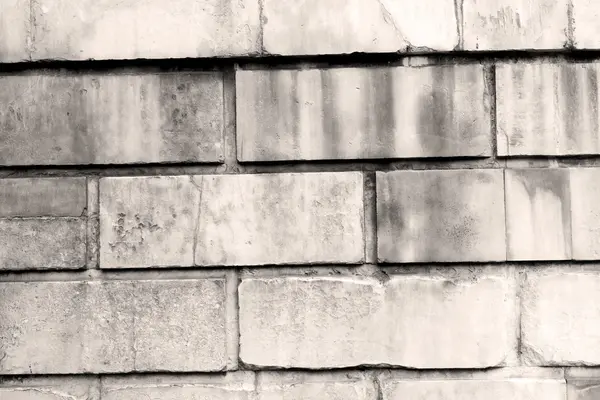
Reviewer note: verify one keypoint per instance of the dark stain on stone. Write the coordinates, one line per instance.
(390, 216)
(329, 119)
(572, 102)
(437, 132)
(553, 181)
(78, 123)
(592, 90)
(268, 123)
(295, 101)
(379, 119)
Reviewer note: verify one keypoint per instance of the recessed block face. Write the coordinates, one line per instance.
(538, 214)
(560, 318)
(343, 322)
(297, 28)
(480, 389)
(14, 30)
(112, 29)
(440, 216)
(585, 213)
(515, 24)
(42, 243)
(357, 113)
(112, 326)
(547, 109)
(68, 118)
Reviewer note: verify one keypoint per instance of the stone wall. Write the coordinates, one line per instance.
(308, 199)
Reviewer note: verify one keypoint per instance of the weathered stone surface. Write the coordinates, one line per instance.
(347, 113)
(538, 214)
(547, 109)
(103, 327)
(440, 216)
(113, 29)
(234, 386)
(180, 325)
(294, 28)
(585, 23)
(585, 213)
(41, 388)
(515, 24)
(67, 118)
(42, 243)
(295, 218)
(41, 197)
(583, 383)
(231, 220)
(560, 314)
(324, 386)
(148, 221)
(14, 30)
(509, 389)
(417, 322)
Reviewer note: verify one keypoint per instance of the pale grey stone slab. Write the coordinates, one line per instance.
(56, 118)
(357, 113)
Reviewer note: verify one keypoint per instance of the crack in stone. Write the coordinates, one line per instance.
(198, 186)
(459, 15)
(387, 17)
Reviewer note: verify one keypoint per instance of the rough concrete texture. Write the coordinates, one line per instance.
(538, 214)
(560, 318)
(416, 322)
(43, 197)
(547, 109)
(307, 27)
(112, 326)
(440, 216)
(515, 24)
(585, 213)
(509, 389)
(14, 30)
(231, 220)
(297, 218)
(354, 113)
(51, 388)
(42, 243)
(55, 118)
(114, 29)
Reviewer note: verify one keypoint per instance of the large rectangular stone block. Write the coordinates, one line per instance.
(515, 24)
(231, 220)
(538, 214)
(112, 326)
(56, 118)
(585, 213)
(583, 383)
(41, 197)
(560, 318)
(49, 388)
(233, 386)
(440, 216)
(547, 109)
(114, 29)
(353, 113)
(307, 27)
(476, 389)
(14, 30)
(410, 321)
(42, 243)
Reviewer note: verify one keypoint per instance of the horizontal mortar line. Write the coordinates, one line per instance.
(265, 272)
(365, 165)
(324, 60)
(417, 373)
